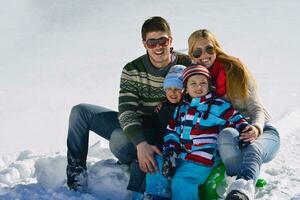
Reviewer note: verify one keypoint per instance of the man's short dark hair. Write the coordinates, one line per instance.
(155, 23)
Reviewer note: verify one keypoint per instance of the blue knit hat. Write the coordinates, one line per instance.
(174, 77)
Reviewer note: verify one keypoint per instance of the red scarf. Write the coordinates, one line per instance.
(218, 75)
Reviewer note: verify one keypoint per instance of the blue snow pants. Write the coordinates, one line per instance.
(184, 185)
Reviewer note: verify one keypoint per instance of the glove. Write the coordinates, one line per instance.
(169, 151)
(168, 169)
(243, 144)
(169, 162)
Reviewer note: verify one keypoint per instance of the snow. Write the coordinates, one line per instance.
(56, 54)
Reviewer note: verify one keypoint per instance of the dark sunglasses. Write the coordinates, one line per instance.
(152, 43)
(208, 49)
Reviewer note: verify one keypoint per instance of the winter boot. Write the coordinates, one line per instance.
(241, 190)
(76, 178)
(224, 185)
(236, 195)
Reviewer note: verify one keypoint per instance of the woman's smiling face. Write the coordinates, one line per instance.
(208, 55)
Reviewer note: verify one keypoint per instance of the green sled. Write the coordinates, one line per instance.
(208, 191)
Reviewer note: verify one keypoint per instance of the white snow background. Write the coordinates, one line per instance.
(57, 53)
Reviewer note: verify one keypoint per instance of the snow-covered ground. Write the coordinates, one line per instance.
(56, 54)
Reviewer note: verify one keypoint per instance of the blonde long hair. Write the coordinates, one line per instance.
(237, 75)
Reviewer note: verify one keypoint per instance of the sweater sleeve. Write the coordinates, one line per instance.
(256, 110)
(129, 119)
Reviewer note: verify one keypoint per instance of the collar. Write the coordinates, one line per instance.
(199, 99)
(159, 71)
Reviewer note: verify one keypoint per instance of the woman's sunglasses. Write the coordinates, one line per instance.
(208, 49)
(152, 43)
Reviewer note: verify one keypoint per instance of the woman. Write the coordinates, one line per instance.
(242, 154)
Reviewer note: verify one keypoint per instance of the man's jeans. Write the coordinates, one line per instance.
(105, 123)
(245, 162)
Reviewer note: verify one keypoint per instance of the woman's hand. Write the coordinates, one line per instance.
(249, 133)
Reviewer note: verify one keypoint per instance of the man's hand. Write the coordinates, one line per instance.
(145, 154)
(249, 134)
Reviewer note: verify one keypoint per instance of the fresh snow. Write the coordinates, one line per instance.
(56, 54)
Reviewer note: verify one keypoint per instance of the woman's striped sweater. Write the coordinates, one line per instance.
(195, 138)
(141, 89)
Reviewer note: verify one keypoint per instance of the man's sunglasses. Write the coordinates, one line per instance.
(152, 43)
(208, 49)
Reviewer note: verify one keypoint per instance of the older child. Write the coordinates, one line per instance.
(190, 141)
(154, 125)
(158, 121)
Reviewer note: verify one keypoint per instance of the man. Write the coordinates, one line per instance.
(140, 91)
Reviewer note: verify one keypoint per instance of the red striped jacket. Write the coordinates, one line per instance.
(194, 137)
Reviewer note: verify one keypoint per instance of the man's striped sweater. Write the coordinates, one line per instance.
(194, 137)
(141, 89)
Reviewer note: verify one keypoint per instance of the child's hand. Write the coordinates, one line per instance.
(158, 107)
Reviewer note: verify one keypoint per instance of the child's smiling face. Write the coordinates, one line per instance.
(197, 86)
(173, 94)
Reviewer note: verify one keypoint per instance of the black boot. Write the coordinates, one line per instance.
(236, 195)
(76, 178)
(76, 174)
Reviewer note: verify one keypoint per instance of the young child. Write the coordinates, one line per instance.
(190, 141)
